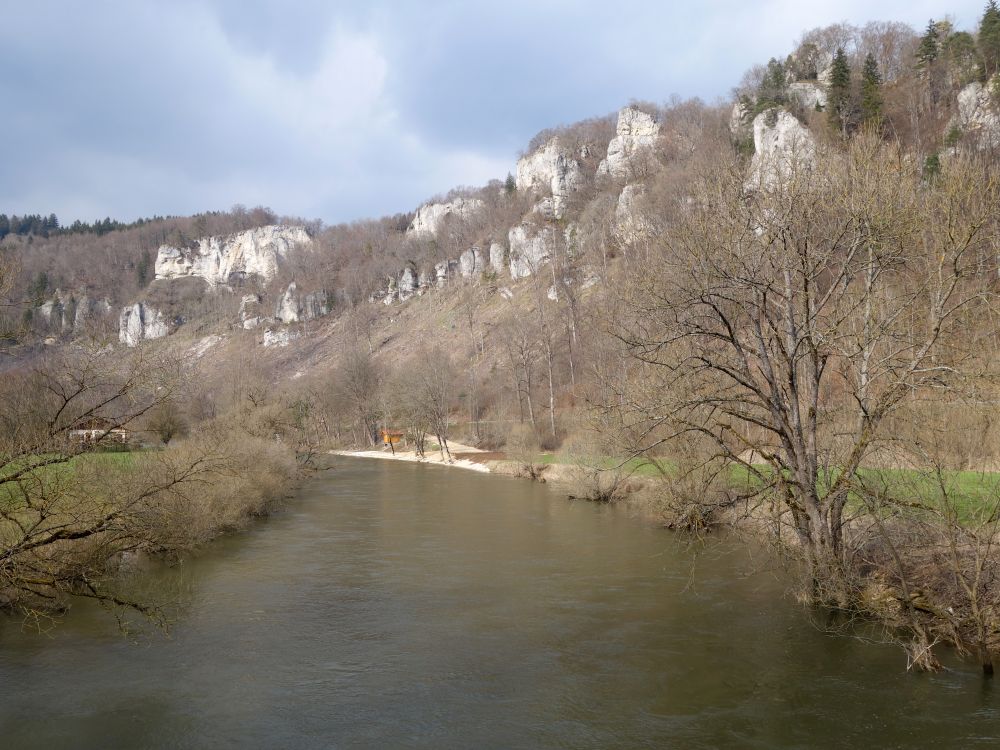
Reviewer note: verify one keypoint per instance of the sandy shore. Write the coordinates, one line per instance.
(430, 458)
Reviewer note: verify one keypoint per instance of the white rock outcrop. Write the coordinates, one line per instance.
(250, 312)
(409, 283)
(529, 251)
(631, 224)
(425, 279)
(295, 307)
(551, 168)
(978, 116)
(69, 312)
(498, 258)
(808, 94)
(470, 263)
(430, 216)
(782, 147)
(739, 120)
(632, 145)
(220, 260)
(139, 322)
(88, 309)
(279, 337)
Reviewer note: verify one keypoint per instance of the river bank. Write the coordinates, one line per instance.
(463, 457)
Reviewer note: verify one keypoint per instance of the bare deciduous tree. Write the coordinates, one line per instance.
(789, 324)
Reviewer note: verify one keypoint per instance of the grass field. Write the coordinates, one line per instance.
(971, 492)
(637, 466)
(65, 470)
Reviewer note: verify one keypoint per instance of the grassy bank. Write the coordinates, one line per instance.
(67, 527)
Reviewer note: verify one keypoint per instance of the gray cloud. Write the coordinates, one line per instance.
(344, 110)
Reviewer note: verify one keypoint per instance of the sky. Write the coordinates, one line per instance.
(345, 110)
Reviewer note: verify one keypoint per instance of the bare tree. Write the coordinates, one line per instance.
(59, 531)
(427, 385)
(790, 323)
(357, 381)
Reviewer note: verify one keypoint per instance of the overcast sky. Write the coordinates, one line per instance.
(344, 110)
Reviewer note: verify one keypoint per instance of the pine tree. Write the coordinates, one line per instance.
(773, 89)
(964, 60)
(989, 38)
(929, 47)
(871, 92)
(510, 184)
(838, 97)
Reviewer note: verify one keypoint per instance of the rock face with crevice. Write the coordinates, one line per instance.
(635, 138)
(409, 283)
(809, 94)
(139, 322)
(783, 147)
(551, 169)
(71, 311)
(470, 263)
(978, 116)
(529, 250)
(631, 223)
(498, 258)
(295, 307)
(431, 216)
(224, 260)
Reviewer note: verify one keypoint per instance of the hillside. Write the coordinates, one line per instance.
(780, 299)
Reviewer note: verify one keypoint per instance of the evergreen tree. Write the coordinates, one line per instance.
(510, 184)
(773, 90)
(929, 47)
(989, 38)
(838, 97)
(963, 57)
(142, 268)
(871, 92)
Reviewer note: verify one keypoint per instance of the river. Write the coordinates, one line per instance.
(395, 605)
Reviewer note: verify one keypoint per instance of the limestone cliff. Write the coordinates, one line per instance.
(635, 138)
(430, 216)
(550, 169)
(222, 260)
(139, 322)
(978, 117)
(782, 147)
(295, 307)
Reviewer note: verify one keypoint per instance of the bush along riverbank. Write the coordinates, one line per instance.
(73, 518)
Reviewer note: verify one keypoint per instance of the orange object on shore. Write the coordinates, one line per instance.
(391, 436)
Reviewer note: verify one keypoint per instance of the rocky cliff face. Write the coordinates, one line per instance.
(782, 147)
(809, 94)
(529, 250)
(430, 216)
(498, 258)
(550, 169)
(69, 311)
(631, 225)
(139, 322)
(978, 116)
(635, 138)
(222, 260)
(295, 307)
(470, 263)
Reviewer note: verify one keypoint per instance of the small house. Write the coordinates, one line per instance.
(92, 430)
